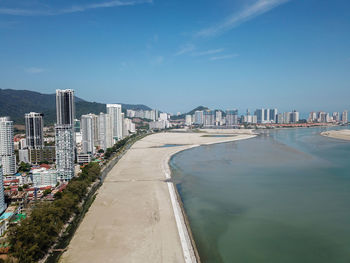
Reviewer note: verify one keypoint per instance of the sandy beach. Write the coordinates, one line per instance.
(136, 216)
(342, 134)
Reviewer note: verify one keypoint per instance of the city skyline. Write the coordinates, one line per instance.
(241, 53)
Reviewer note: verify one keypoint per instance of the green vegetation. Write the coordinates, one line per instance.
(24, 167)
(31, 239)
(15, 103)
(182, 116)
(110, 151)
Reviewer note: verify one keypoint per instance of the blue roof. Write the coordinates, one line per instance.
(6, 215)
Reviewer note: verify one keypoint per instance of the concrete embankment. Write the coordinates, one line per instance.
(136, 216)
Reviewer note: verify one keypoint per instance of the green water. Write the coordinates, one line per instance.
(281, 197)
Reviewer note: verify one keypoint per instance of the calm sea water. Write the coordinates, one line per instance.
(281, 197)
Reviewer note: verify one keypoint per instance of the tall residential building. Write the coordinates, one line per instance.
(88, 132)
(163, 116)
(287, 117)
(2, 195)
(322, 117)
(280, 119)
(188, 120)
(198, 117)
(231, 117)
(312, 117)
(34, 130)
(64, 152)
(336, 116)
(266, 116)
(260, 115)
(294, 117)
(115, 112)
(123, 128)
(344, 117)
(105, 131)
(64, 132)
(209, 118)
(7, 148)
(65, 107)
(273, 115)
(218, 118)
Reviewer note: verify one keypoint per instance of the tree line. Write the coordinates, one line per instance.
(31, 239)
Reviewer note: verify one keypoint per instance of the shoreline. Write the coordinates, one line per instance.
(337, 134)
(138, 214)
(189, 247)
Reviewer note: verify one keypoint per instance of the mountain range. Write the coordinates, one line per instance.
(15, 103)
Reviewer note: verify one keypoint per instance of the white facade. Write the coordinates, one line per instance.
(2, 196)
(105, 131)
(294, 117)
(88, 132)
(64, 152)
(231, 117)
(115, 112)
(198, 117)
(218, 118)
(23, 155)
(161, 124)
(129, 126)
(163, 116)
(344, 117)
(43, 177)
(188, 120)
(208, 118)
(7, 148)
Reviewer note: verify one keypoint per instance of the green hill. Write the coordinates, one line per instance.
(182, 116)
(15, 103)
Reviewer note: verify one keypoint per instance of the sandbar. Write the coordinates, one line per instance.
(341, 134)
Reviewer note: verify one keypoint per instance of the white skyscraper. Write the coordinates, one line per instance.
(64, 131)
(105, 131)
(188, 120)
(88, 128)
(344, 117)
(2, 196)
(7, 151)
(294, 117)
(34, 130)
(209, 118)
(115, 112)
(64, 152)
(231, 117)
(198, 117)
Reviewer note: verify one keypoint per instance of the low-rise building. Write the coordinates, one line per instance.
(83, 158)
(44, 177)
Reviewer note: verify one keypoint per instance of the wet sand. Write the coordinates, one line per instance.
(136, 216)
(341, 134)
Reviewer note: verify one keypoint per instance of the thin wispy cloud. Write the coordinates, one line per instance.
(72, 9)
(158, 60)
(258, 8)
(34, 70)
(223, 57)
(209, 52)
(185, 49)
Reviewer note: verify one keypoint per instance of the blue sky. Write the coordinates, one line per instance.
(176, 55)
